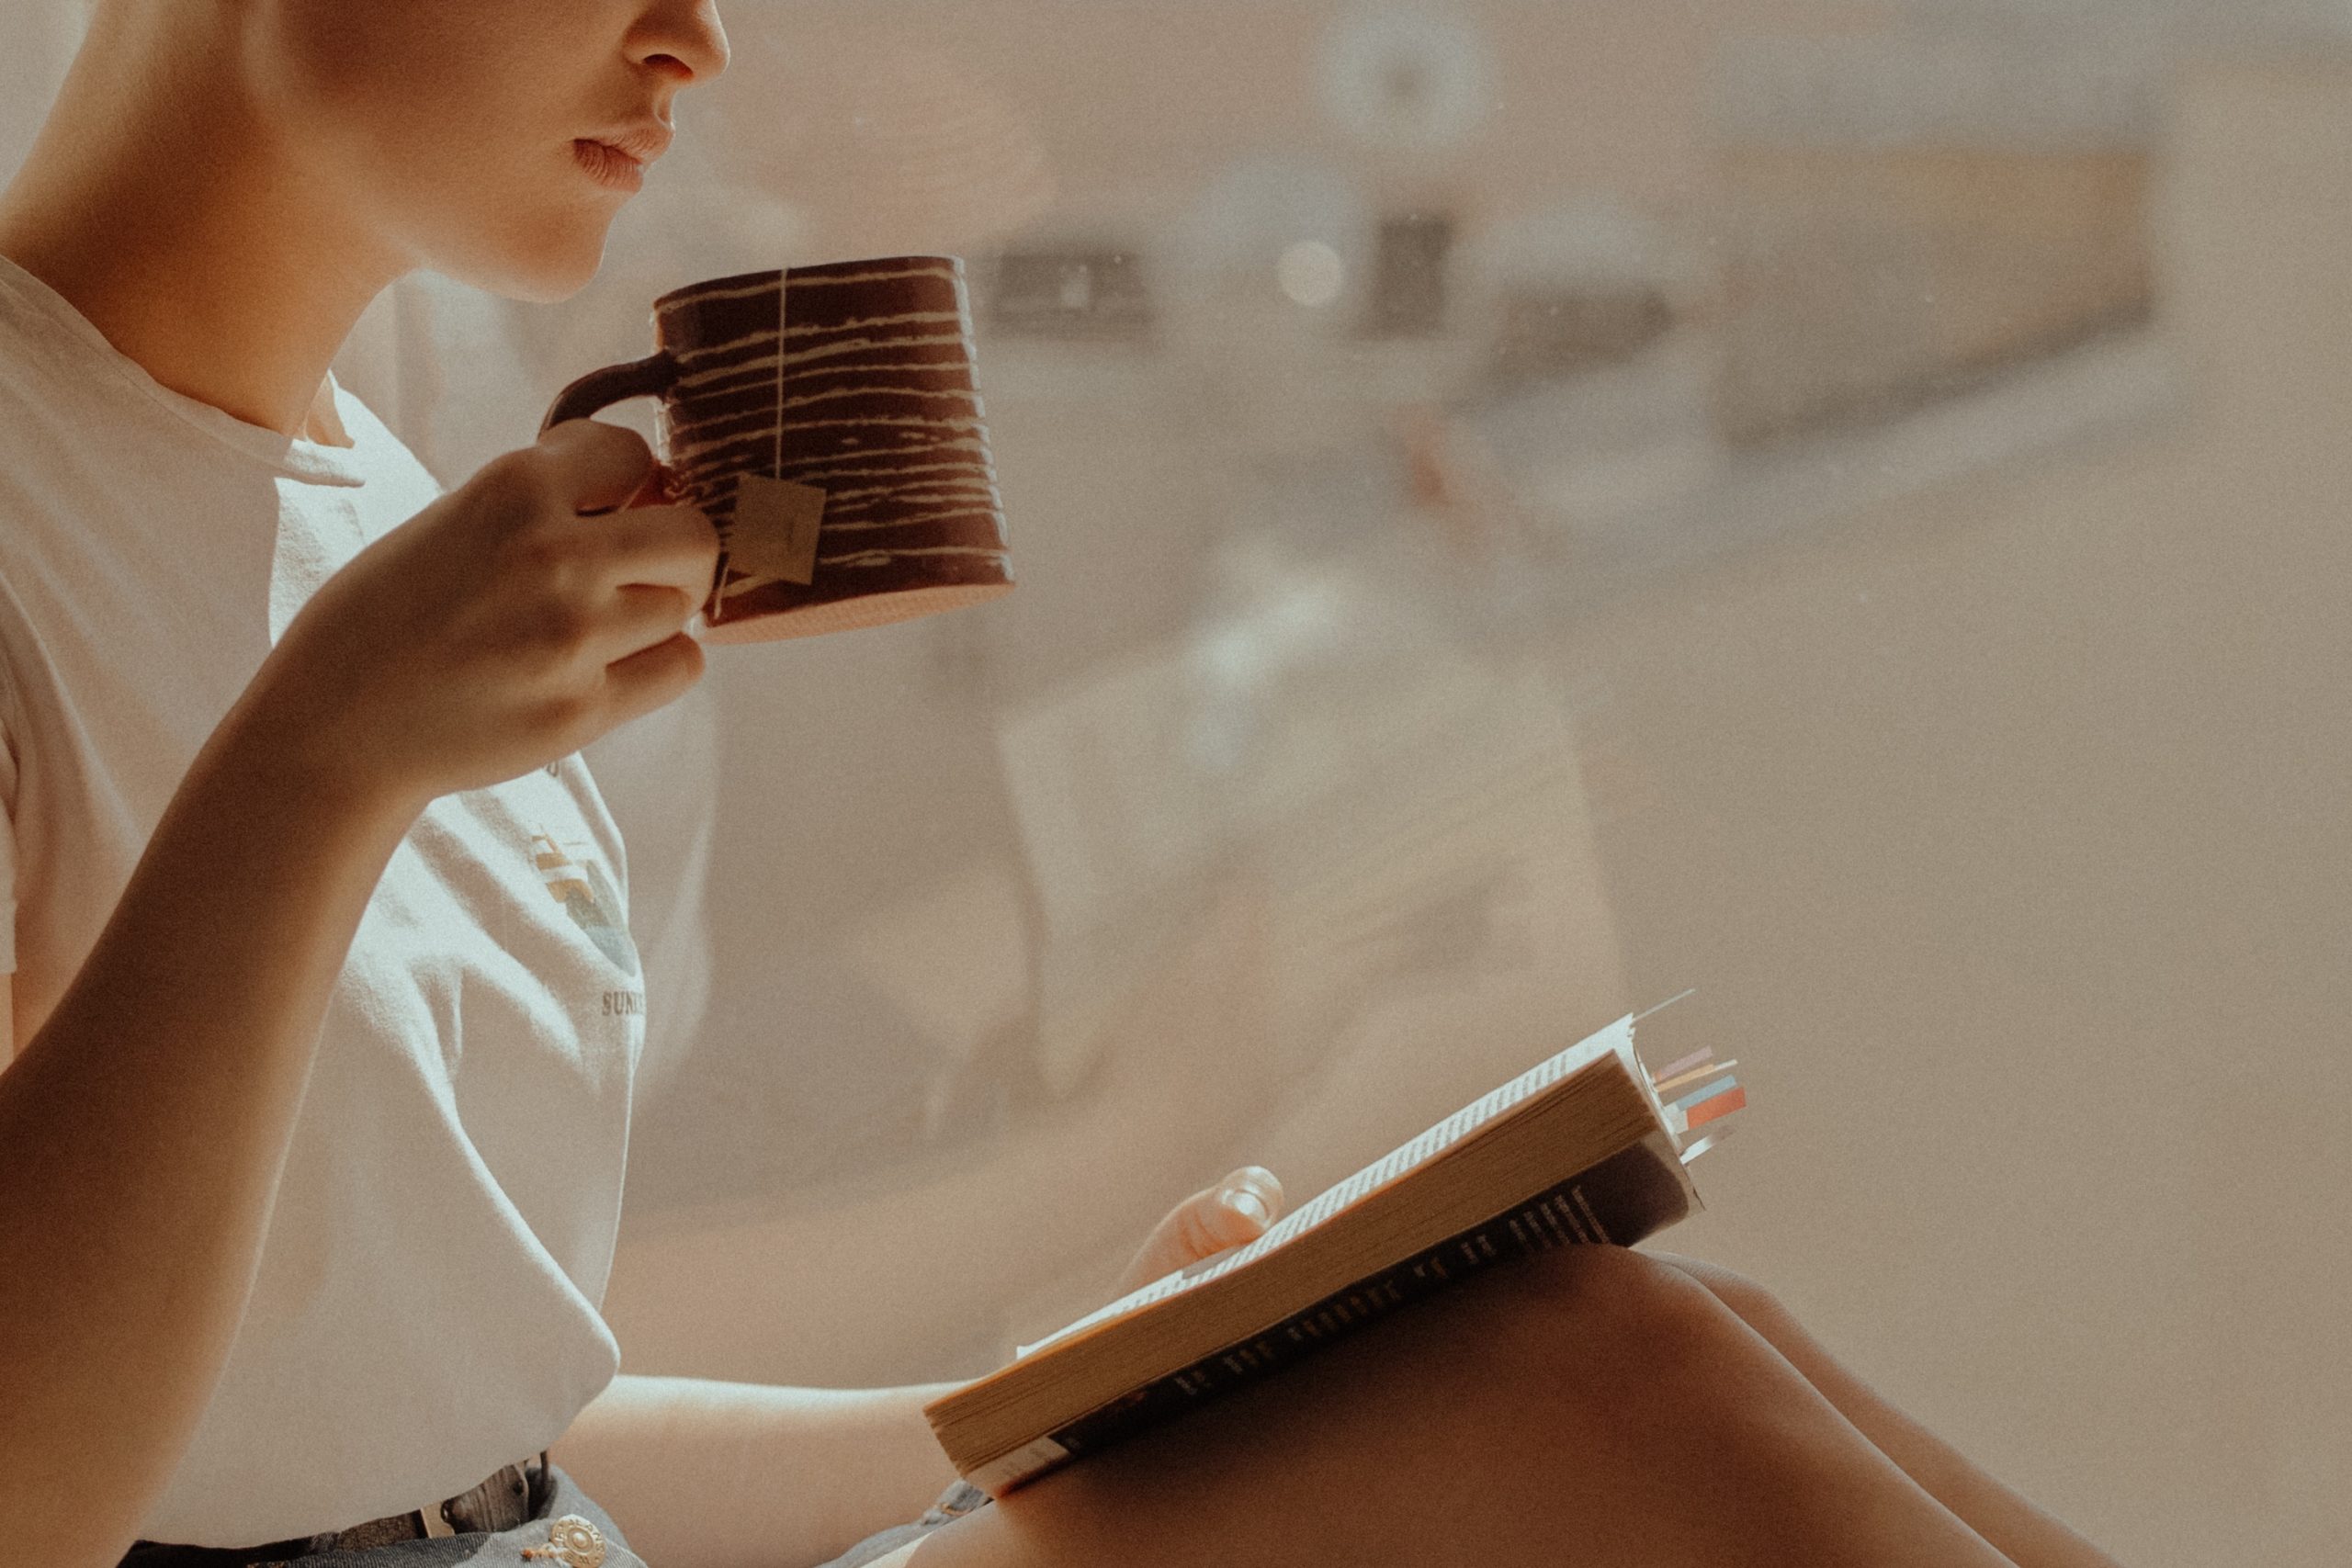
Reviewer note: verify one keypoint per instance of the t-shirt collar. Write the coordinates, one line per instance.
(294, 455)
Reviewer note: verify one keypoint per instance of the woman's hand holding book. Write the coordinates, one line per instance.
(1232, 1214)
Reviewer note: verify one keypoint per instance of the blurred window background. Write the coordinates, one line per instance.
(1523, 507)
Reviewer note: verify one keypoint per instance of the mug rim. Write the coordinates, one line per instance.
(763, 275)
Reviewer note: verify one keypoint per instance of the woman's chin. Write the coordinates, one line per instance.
(563, 260)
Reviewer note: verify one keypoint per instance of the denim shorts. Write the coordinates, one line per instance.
(475, 1549)
(505, 1549)
(954, 1503)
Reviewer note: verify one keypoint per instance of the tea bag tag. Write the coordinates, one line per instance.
(775, 531)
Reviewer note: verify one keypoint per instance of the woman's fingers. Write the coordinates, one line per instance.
(1236, 1211)
(596, 466)
(652, 676)
(674, 546)
(642, 616)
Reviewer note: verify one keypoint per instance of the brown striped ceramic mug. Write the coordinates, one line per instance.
(826, 419)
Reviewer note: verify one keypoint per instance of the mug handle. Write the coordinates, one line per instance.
(652, 376)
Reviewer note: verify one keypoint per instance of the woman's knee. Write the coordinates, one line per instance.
(1608, 1322)
(1751, 1301)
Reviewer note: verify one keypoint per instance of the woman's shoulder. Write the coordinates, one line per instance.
(74, 443)
(34, 393)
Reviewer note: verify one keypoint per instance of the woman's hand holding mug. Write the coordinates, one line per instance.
(517, 618)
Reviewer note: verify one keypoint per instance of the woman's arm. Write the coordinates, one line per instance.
(704, 1474)
(143, 1126)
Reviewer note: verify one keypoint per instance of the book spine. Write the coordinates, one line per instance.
(1632, 1194)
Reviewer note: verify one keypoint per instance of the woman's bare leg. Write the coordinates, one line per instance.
(2023, 1532)
(1591, 1407)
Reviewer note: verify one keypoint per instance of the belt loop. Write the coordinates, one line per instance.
(437, 1524)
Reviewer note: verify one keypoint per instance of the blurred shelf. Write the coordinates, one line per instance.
(2118, 387)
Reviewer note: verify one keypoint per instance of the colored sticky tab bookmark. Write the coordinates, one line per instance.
(1720, 1096)
(1720, 1105)
(1677, 1068)
(1706, 1091)
(1676, 1080)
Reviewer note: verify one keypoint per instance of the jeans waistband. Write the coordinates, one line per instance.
(509, 1496)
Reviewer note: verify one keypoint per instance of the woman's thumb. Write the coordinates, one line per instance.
(657, 488)
(1235, 1210)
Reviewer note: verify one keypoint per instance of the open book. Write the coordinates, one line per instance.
(1582, 1147)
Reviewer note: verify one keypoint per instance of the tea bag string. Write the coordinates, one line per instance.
(784, 292)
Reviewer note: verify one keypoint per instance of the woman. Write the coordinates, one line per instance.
(310, 1148)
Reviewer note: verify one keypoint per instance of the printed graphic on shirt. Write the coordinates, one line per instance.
(589, 896)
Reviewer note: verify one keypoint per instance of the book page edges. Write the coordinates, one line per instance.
(1538, 1088)
(1477, 1120)
(1635, 1198)
(1632, 1118)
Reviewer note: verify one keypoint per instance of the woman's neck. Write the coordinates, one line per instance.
(166, 212)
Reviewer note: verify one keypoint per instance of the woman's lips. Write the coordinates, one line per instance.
(609, 166)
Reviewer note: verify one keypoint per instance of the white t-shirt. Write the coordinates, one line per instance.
(426, 1308)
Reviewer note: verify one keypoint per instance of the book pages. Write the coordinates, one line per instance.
(1616, 1040)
